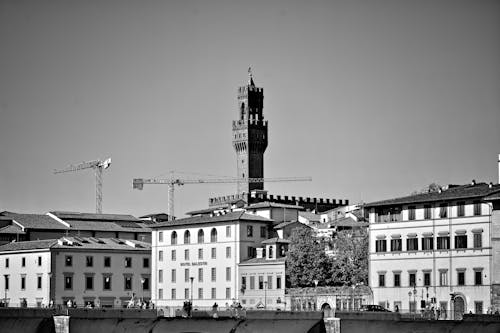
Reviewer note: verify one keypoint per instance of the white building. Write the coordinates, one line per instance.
(102, 271)
(196, 258)
(437, 249)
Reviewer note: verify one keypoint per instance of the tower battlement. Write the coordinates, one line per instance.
(241, 124)
(242, 91)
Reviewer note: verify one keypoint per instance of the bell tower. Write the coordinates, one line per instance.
(250, 135)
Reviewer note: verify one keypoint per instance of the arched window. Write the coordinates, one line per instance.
(213, 235)
(187, 237)
(201, 236)
(270, 252)
(173, 238)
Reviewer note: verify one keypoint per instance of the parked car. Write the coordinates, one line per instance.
(373, 308)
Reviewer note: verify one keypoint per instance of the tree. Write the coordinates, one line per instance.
(351, 264)
(431, 188)
(306, 260)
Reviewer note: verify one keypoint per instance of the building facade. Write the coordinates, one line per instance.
(196, 258)
(435, 249)
(105, 272)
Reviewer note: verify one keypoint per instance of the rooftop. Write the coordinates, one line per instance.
(275, 240)
(200, 219)
(287, 223)
(312, 217)
(95, 217)
(469, 191)
(263, 261)
(35, 221)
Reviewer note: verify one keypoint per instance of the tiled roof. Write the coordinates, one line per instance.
(477, 191)
(275, 240)
(310, 216)
(124, 226)
(287, 223)
(200, 219)
(263, 261)
(79, 243)
(37, 221)
(94, 217)
(203, 211)
(11, 229)
(348, 222)
(267, 204)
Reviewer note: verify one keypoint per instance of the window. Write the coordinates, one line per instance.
(89, 261)
(173, 293)
(106, 285)
(160, 293)
(173, 275)
(228, 273)
(443, 211)
(23, 262)
(427, 212)
(228, 293)
(6, 262)
(427, 279)
(270, 254)
(186, 254)
(201, 236)
(412, 279)
(6, 282)
(278, 282)
(214, 253)
(263, 232)
(173, 255)
(107, 261)
(478, 307)
(243, 282)
(160, 236)
(145, 262)
(160, 275)
(443, 278)
(200, 293)
(39, 282)
(412, 244)
(89, 282)
(39, 261)
(228, 231)
(145, 283)
(160, 255)
(269, 282)
(200, 254)
(478, 277)
(427, 243)
(213, 293)
(443, 242)
(460, 241)
(68, 261)
(213, 274)
(261, 282)
(478, 240)
(397, 279)
(186, 274)
(380, 245)
(477, 208)
(213, 235)
(381, 280)
(461, 278)
(228, 252)
(200, 274)
(411, 213)
(252, 282)
(187, 237)
(396, 245)
(186, 293)
(249, 231)
(128, 283)
(173, 238)
(128, 262)
(23, 282)
(68, 282)
(251, 252)
(461, 208)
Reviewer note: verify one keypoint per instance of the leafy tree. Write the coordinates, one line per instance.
(351, 264)
(431, 188)
(306, 260)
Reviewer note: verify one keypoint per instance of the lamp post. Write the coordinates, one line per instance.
(409, 300)
(315, 295)
(414, 298)
(265, 295)
(191, 300)
(142, 289)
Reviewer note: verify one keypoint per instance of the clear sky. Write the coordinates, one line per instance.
(371, 98)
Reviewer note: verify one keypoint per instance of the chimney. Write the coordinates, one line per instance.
(260, 250)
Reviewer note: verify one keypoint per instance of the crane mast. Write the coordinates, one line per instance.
(138, 183)
(98, 166)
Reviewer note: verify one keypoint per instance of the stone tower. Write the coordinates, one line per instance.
(250, 136)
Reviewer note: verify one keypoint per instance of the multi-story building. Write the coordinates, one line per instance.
(106, 272)
(196, 258)
(437, 249)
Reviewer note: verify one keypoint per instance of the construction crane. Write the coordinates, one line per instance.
(98, 166)
(139, 183)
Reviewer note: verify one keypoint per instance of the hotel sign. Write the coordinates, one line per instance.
(194, 263)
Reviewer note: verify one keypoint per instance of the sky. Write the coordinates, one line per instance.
(373, 99)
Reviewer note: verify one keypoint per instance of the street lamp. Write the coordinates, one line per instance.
(409, 300)
(191, 300)
(315, 295)
(265, 295)
(142, 292)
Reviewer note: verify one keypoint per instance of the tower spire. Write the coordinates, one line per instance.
(250, 77)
